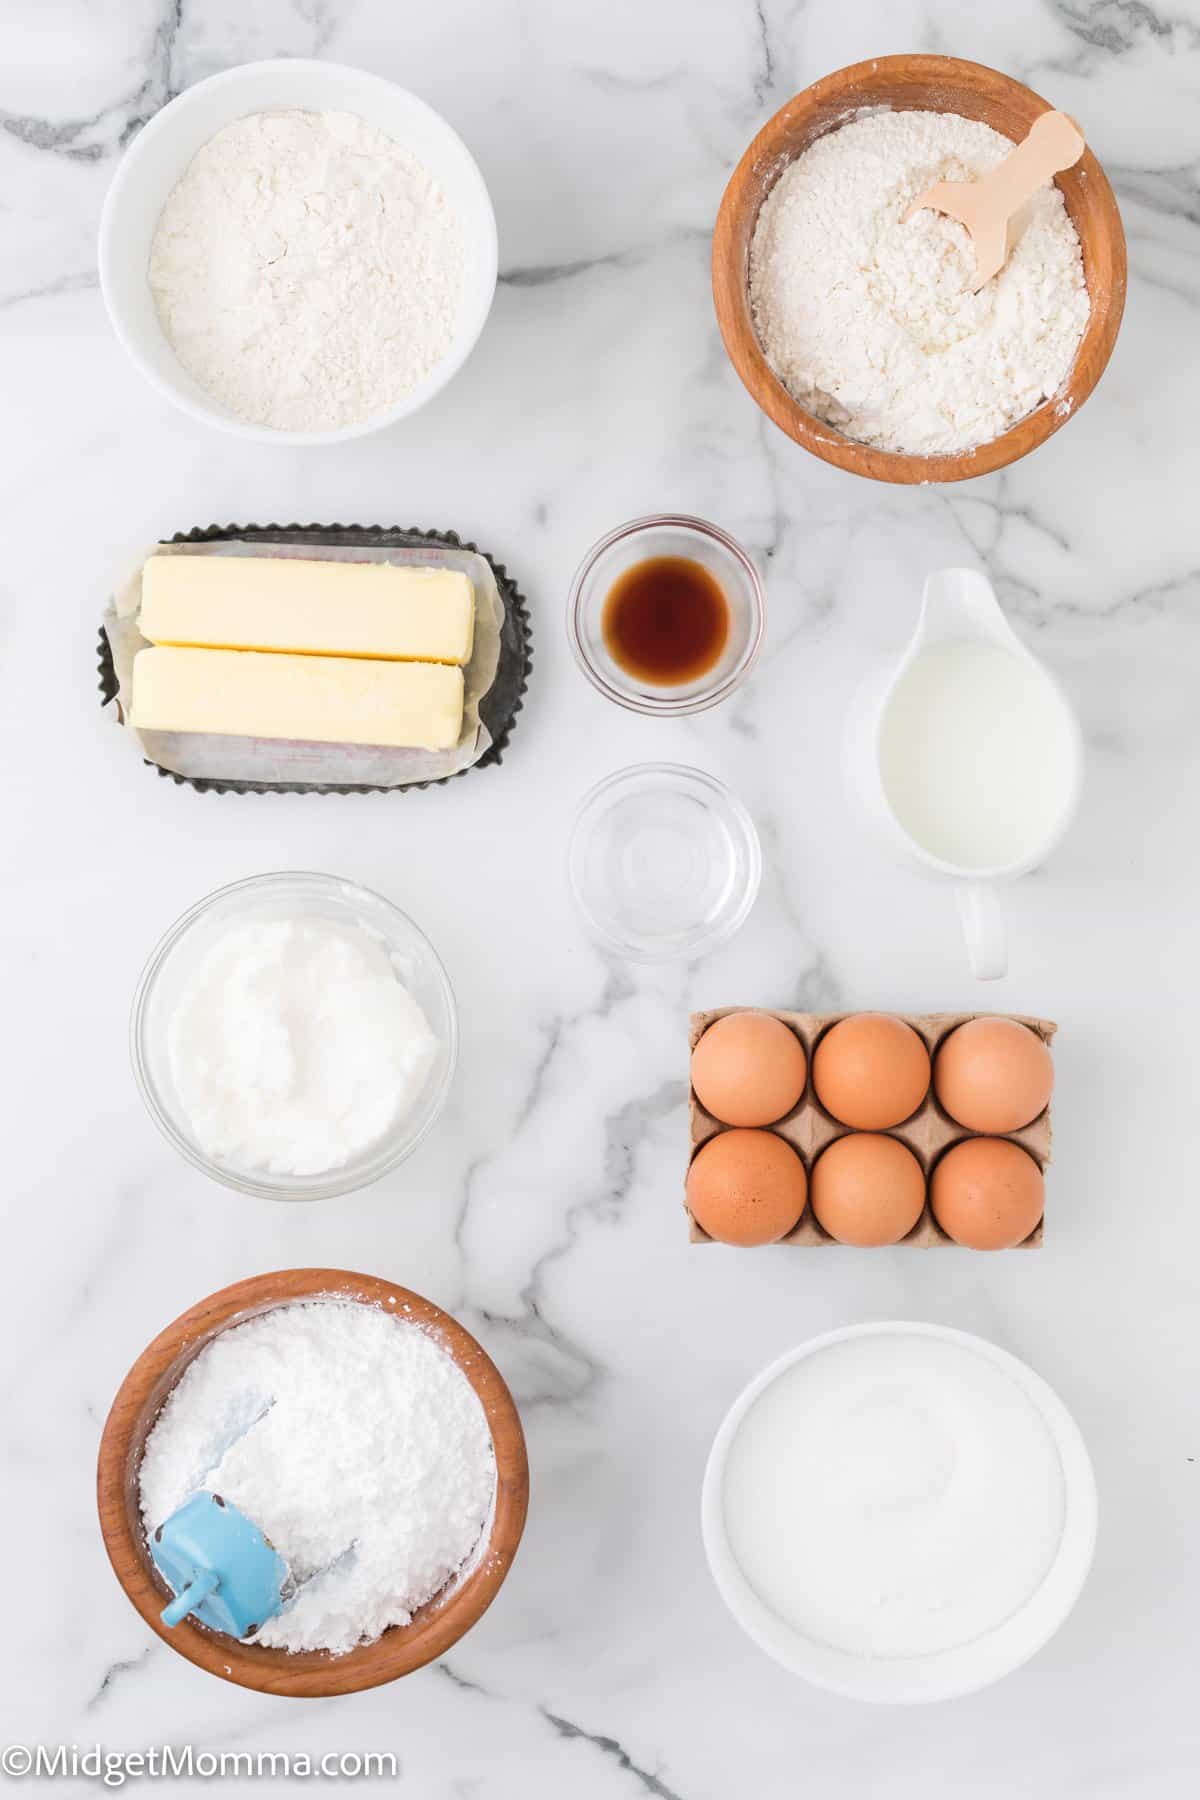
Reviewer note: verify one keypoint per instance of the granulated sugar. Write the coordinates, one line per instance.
(353, 1441)
(894, 1495)
(869, 320)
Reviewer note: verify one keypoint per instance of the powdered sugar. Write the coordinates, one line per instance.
(870, 322)
(307, 270)
(353, 1441)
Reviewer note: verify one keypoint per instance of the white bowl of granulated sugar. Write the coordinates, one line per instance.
(899, 1512)
(298, 252)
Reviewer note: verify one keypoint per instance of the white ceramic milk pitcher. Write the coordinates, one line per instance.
(966, 755)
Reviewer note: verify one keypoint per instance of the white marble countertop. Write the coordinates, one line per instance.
(545, 1210)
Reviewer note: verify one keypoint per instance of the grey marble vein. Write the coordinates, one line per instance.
(611, 1748)
(115, 1672)
(765, 78)
(89, 139)
(1118, 26)
(81, 282)
(634, 256)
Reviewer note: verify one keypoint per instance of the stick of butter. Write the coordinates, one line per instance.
(322, 699)
(308, 607)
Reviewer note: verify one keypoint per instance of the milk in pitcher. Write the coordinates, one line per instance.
(976, 755)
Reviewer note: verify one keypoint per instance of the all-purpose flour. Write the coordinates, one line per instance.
(353, 1441)
(869, 320)
(307, 270)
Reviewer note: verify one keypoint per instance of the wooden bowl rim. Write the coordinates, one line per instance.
(851, 88)
(307, 1674)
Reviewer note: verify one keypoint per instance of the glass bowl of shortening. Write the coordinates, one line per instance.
(294, 1035)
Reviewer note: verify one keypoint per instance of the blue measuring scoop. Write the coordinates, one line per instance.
(219, 1566)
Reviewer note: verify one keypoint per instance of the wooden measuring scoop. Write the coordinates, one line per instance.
(986, 206)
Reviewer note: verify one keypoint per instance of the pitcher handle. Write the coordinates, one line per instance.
(983, 928)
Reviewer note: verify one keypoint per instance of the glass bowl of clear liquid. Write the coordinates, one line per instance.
(664, 863)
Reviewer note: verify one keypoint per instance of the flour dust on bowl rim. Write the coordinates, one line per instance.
(1047, 1581)
(310, 1674)
(159, 155)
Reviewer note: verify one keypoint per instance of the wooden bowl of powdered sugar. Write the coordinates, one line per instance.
(361, 1412)
(856, 330)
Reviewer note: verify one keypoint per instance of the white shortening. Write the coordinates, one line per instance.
(294, 1046)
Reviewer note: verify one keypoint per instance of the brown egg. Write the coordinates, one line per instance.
(993, 1075)
(871, 1071)
(746, 1187)
(749, 1069)
(867, 1189)
(987, 1194)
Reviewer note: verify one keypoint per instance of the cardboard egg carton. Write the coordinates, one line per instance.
(808, 1128)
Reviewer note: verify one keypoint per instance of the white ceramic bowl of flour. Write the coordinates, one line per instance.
(318, 1057)
(158, 157)
(899, 1512)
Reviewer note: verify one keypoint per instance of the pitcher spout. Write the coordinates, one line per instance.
(960, 606)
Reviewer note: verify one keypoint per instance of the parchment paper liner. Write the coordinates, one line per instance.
(495, 678)
(809, 1128)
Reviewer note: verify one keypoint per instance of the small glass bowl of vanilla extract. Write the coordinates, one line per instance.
(666, 615)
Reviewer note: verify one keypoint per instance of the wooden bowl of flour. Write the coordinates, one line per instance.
(307, 1675)
(930, 84)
